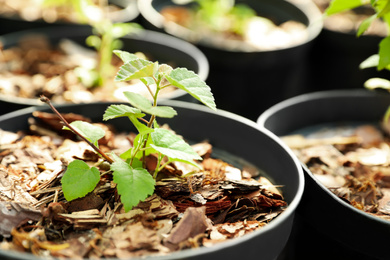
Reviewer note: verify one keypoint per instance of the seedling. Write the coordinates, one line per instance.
(105, 37)
(222, 15)
(134, 182)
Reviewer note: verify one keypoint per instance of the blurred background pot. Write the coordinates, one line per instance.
(337, 52)
(26, 14)
(160, 47)
(230, 134)
(246, 80)
(326, 225)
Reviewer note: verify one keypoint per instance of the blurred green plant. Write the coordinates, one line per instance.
(105, 38)
(380, 60)
(221, 15)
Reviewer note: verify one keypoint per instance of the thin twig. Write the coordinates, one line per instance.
(47, 101)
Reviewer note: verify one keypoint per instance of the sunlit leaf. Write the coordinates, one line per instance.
(79, 179)
(337, 6)
(173, 146)
(119, 30)
(191, 83)
(92, 132)
(366, 24)
(125, 56)
(145, 105)
(115, 111)
(136, 69)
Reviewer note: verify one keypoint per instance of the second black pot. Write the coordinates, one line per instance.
(241, 138)
(162, 47)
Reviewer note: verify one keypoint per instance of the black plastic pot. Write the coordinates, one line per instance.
(248, 82)
(128, 12)
(330, 227)
(335, 58)
(227, 132)
(162, 47)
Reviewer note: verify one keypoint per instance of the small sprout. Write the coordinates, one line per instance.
(134, 182)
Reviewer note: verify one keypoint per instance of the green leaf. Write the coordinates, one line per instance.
(119, 30)
(92, 132)
(134, 185)
(115, 111)
(173, 146)
(145, 105)
(136, 69)
(147, 81)
(384, 53)
(93, 41)
(125, 56)
(365, 24)
(79, 180)
(191, 83)
(337, 6)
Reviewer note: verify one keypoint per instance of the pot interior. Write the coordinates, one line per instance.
(227, 132)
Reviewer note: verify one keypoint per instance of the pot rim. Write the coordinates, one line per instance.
(321, 95)
(128, 12)
(311, 11)
(144, 35)
(284, 216)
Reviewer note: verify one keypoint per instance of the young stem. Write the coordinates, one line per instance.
(105, 56)
(47, 101)
(151, 121)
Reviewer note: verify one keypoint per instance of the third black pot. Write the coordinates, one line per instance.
(328, 226)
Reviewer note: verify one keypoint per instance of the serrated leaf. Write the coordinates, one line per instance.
(337, 6)
(115, 111)
(136, 69)
(92, 132)
(79, 180)
(134, 185)
(125, 56)
(191, 83)
(145, 105)
(173, 146)
(165, 69)
(384, 53)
